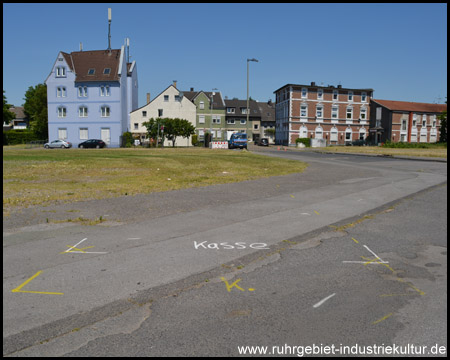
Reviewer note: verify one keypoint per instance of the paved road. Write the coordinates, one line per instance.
(158, 284)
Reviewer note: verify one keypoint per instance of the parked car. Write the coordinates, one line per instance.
(92, 143)
(238, 140)
(58, 144)
(263, 142)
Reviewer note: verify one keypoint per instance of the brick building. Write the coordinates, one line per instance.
(336, 114)
(404, 121)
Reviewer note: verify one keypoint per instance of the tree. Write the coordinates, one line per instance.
(172, 128)
(35, 108)
(7, 115)
(443, 127)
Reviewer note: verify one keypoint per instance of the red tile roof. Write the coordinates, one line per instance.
(99, 60)
(411, 106)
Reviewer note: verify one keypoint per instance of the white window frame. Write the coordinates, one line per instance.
(347, 111)
(404, 126)
(243, 121)
(305, 108)
(105, 111)
(201, 119)
(363, 97)
(319, 94)
(231, 110)
(82, 91)
(216, 119)
(321, 111)
(335, 95)
(166, 98)
(334, 134)
(60, 71)
(304, 93)
(318, 130)
(348, 131)
(434, 122)
(84, 133)
(424, 120)
(107, 91)
(136, 126)
(62, 133)
(82, 111)
(62, 112)
(335, 112)
(231, 122)
(362, 111)
(350, 96)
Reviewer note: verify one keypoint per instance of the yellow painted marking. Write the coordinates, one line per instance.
(292, 196)
(251, 289)
(18, 289)
(370, 261)
(385, 295)
(232, 285)
(383, 318)
(74, 248)
(356, 241)
(316, 212)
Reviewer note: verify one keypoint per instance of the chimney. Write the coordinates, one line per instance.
(192, 89)
(81, 46)
(148, 98)
(313, 83)
(339, 86)
(175, 84)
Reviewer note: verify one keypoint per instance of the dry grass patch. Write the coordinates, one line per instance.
(434, 152)
(44, 177)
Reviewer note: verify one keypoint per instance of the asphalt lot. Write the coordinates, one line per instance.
(149, 280)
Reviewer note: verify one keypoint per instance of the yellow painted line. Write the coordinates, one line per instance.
(370, 261)
(292, 196)
(385, 295)
(316, 212)
(356, 241)
(383, 318)
(18, 289)
(251, 289)
(74, 248)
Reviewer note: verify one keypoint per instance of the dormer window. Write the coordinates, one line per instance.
(230, 110)
(107, 71)
(91, 71)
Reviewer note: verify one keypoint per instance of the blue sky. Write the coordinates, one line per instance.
(399, 50)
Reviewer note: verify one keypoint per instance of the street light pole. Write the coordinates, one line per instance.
(211, 109)
(248, 110)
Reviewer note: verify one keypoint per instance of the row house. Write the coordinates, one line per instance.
(236, 118)
(338, 115)
(90, 95)
(170, 103)
(267, 110)
(210, 118)
(405, 121)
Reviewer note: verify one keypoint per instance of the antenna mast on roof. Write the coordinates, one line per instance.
(109, 29)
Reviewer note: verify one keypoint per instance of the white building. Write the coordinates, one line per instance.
(169, 104)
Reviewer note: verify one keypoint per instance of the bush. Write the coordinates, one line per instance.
(405, 145)
(194, 139)
(306, 141)
(127, 139)
(20, 136)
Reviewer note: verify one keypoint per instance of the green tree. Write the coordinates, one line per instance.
(7, 115)
(443, 127)
(35, 108)
(173, 128)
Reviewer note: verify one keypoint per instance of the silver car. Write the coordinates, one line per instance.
(58, 144)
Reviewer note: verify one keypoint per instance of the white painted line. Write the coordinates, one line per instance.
(323, 300)
(374, 254)
(87, 252)
(305, 214)
(75, 245)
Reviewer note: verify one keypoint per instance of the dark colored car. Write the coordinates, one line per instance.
(92, 143)
(263, 142)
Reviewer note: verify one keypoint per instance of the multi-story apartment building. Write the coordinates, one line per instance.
(236, 117)
(267, 111)
(404, 121)
(210, 113)
(336, 114)
(171, 103)
(90, 95)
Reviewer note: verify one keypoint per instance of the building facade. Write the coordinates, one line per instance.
(267, 111)
(210, 116)
(236, 118)
(171, 103)
(335, 114)
(402, 121)
(90, 95)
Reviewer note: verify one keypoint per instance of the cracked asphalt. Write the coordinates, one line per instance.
(323, 229)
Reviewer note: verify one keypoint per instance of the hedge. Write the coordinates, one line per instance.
(306, 141)
(19, 136)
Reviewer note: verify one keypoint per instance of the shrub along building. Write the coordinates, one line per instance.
(336, 114)
(90, 95)
(404, 121)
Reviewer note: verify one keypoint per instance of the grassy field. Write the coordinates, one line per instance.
(44, 177)
(440, 152)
